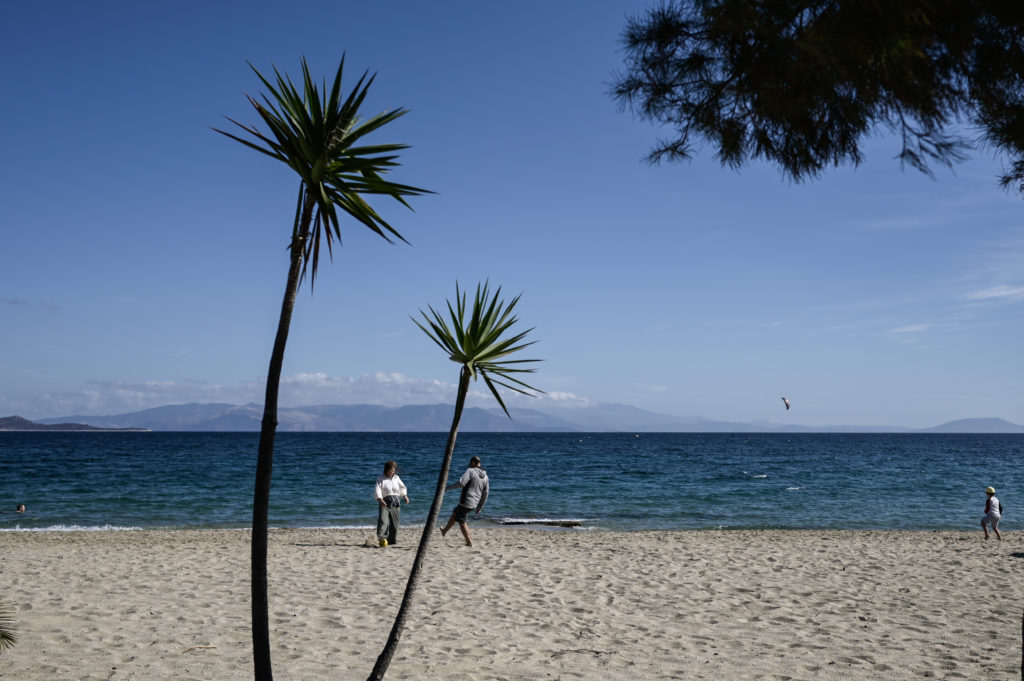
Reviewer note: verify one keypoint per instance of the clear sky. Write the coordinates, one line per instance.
(144, 256)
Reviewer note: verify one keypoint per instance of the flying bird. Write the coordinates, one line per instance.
(786, 402)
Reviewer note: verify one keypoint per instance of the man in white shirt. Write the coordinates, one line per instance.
(389, 492)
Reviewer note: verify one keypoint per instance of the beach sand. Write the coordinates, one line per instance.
(520, 604)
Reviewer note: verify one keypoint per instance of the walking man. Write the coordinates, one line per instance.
(474, 486)
(993, 513)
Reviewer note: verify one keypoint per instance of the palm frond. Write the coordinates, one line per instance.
(481, 341)
(314, 132)
(8, 637)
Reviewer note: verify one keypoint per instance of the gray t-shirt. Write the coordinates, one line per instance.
(474, 486)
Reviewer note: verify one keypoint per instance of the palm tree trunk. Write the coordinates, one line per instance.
(381, 667)
(265, 458)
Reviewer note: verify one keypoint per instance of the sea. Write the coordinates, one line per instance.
(570, 482)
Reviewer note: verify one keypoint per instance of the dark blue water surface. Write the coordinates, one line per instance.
(607, 481)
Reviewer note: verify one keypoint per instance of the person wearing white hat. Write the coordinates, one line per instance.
(993, 513)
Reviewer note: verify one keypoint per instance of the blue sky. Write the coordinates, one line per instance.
(144, 255)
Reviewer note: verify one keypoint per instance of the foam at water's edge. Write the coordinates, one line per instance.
(72, 528)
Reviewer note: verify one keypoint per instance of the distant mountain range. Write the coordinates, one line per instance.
(437, 417)
(20, 424)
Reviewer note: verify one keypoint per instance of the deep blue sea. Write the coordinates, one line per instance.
(131, 480)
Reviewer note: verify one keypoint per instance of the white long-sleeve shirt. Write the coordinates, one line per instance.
(392, 486)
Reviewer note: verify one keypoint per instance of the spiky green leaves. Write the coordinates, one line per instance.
(7, 636)
(319, 134)
(480, 339)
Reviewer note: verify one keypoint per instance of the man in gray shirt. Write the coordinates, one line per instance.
(474, 486)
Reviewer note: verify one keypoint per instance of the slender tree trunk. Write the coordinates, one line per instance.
(391, 646)
(265, 459)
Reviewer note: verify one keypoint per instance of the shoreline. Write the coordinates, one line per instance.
(531, 604)
(569, 526)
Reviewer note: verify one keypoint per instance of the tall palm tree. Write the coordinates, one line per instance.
(479, 344)
(315, 134)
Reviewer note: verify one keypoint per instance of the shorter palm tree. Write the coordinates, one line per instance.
(7, 636)
(480, 343)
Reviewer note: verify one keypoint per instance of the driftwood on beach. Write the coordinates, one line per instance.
(548, 523)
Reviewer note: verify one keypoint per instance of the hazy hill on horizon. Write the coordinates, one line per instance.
(17, 423)
(978, 425)
(437, 417)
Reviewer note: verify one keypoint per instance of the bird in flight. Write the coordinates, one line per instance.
(786, 402)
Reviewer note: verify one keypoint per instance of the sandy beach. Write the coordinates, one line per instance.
(520, 604)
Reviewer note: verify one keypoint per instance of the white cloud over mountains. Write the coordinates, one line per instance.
(304, 389)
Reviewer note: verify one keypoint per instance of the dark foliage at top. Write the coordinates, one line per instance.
(800, 83)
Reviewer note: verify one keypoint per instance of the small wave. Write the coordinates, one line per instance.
(794, 488)
(72, 528)
(758, 477)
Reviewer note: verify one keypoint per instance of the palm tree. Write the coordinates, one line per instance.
(479, 345)
(316, 135)
(7, 636)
